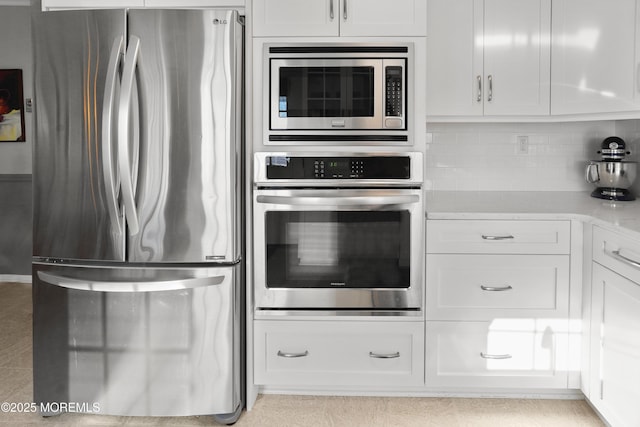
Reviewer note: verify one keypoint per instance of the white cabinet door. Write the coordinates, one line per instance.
(520, 353)
(488, 57)
(334, 353)
(194, 3)
(517, 57)
(383, 18)
(116, 4)
(594, 56)
(454, 58)
(615, 347)
(485, 287)
(277, 18)
(83, 4)
(308, 18)
(498, 236)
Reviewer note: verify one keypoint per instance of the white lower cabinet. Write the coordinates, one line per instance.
(504, 353)
(339, 353)
(497, 304)
(615, 347)
(485, 287)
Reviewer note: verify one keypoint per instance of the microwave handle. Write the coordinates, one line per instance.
(339, 201)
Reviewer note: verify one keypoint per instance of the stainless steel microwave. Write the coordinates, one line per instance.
(338, 92)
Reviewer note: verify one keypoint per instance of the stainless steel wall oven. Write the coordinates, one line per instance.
(338, 232)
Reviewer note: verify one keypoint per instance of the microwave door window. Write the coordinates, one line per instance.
(308, 92)
(350, 249)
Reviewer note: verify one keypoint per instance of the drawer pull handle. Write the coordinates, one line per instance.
(495, 356)
(384, 356)
(496, 288)
(507, 237)
(618, 256)
(293, 355)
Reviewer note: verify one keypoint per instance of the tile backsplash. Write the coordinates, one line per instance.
(629, 130)
(495, 157)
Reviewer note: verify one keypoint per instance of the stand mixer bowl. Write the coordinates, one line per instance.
(612, 179)
(611, 174)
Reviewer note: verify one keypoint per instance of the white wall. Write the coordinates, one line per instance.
(486, 157)
(15, 52)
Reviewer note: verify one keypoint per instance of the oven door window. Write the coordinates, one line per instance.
(338, 249)
(343, 91)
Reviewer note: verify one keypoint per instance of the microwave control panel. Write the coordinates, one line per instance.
(393, 91)
(363, 168)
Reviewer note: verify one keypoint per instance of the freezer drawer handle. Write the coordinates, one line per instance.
(507, 237)
(153, 286)
(496, 288)
(619, 257)
(495, 356)
(293, 355)
(384, 356)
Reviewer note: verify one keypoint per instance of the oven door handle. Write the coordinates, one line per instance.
(339, 201)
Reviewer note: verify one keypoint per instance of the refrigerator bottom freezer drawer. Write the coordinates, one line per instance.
(158, 342)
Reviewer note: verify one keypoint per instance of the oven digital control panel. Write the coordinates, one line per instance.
(360, 168)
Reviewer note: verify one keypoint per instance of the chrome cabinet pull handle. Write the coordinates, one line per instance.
(479, 98)
(506, 237)
(344, 9)
(490, 96)
(331, 14)
(293, 355)
(618, 256)
(496, 288)
(384, 356)
(495, 356)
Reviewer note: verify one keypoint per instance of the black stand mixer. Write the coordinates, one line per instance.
(612, 175)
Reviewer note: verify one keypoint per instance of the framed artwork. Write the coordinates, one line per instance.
(11, 106)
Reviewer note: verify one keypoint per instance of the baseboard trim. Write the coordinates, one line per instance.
(15, 278)
(15, 177)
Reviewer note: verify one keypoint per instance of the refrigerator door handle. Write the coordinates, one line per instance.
(110, 172)
(128, 153)
(129, 286)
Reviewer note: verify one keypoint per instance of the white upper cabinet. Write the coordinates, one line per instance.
(295, 17)
(332, 18)
(83, 4)
(595, 56)
(116, 4)
(488, 57)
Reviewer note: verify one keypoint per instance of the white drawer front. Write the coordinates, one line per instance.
(522, 353)
(498, 237)
(618, 252)
(339, 353)
(483, 287)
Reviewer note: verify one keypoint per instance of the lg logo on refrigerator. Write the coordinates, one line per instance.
(219, 21)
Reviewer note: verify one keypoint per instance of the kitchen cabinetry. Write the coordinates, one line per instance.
(595, 56)
(497, 308)
(338, 353)
(615, 326)
(331, 18)
(488, 58)
(115, 4)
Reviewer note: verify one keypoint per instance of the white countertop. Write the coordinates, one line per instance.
(622, 216)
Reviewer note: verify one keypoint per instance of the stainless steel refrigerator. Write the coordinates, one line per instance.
(137, 268)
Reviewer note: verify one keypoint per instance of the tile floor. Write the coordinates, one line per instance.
(279, 410)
